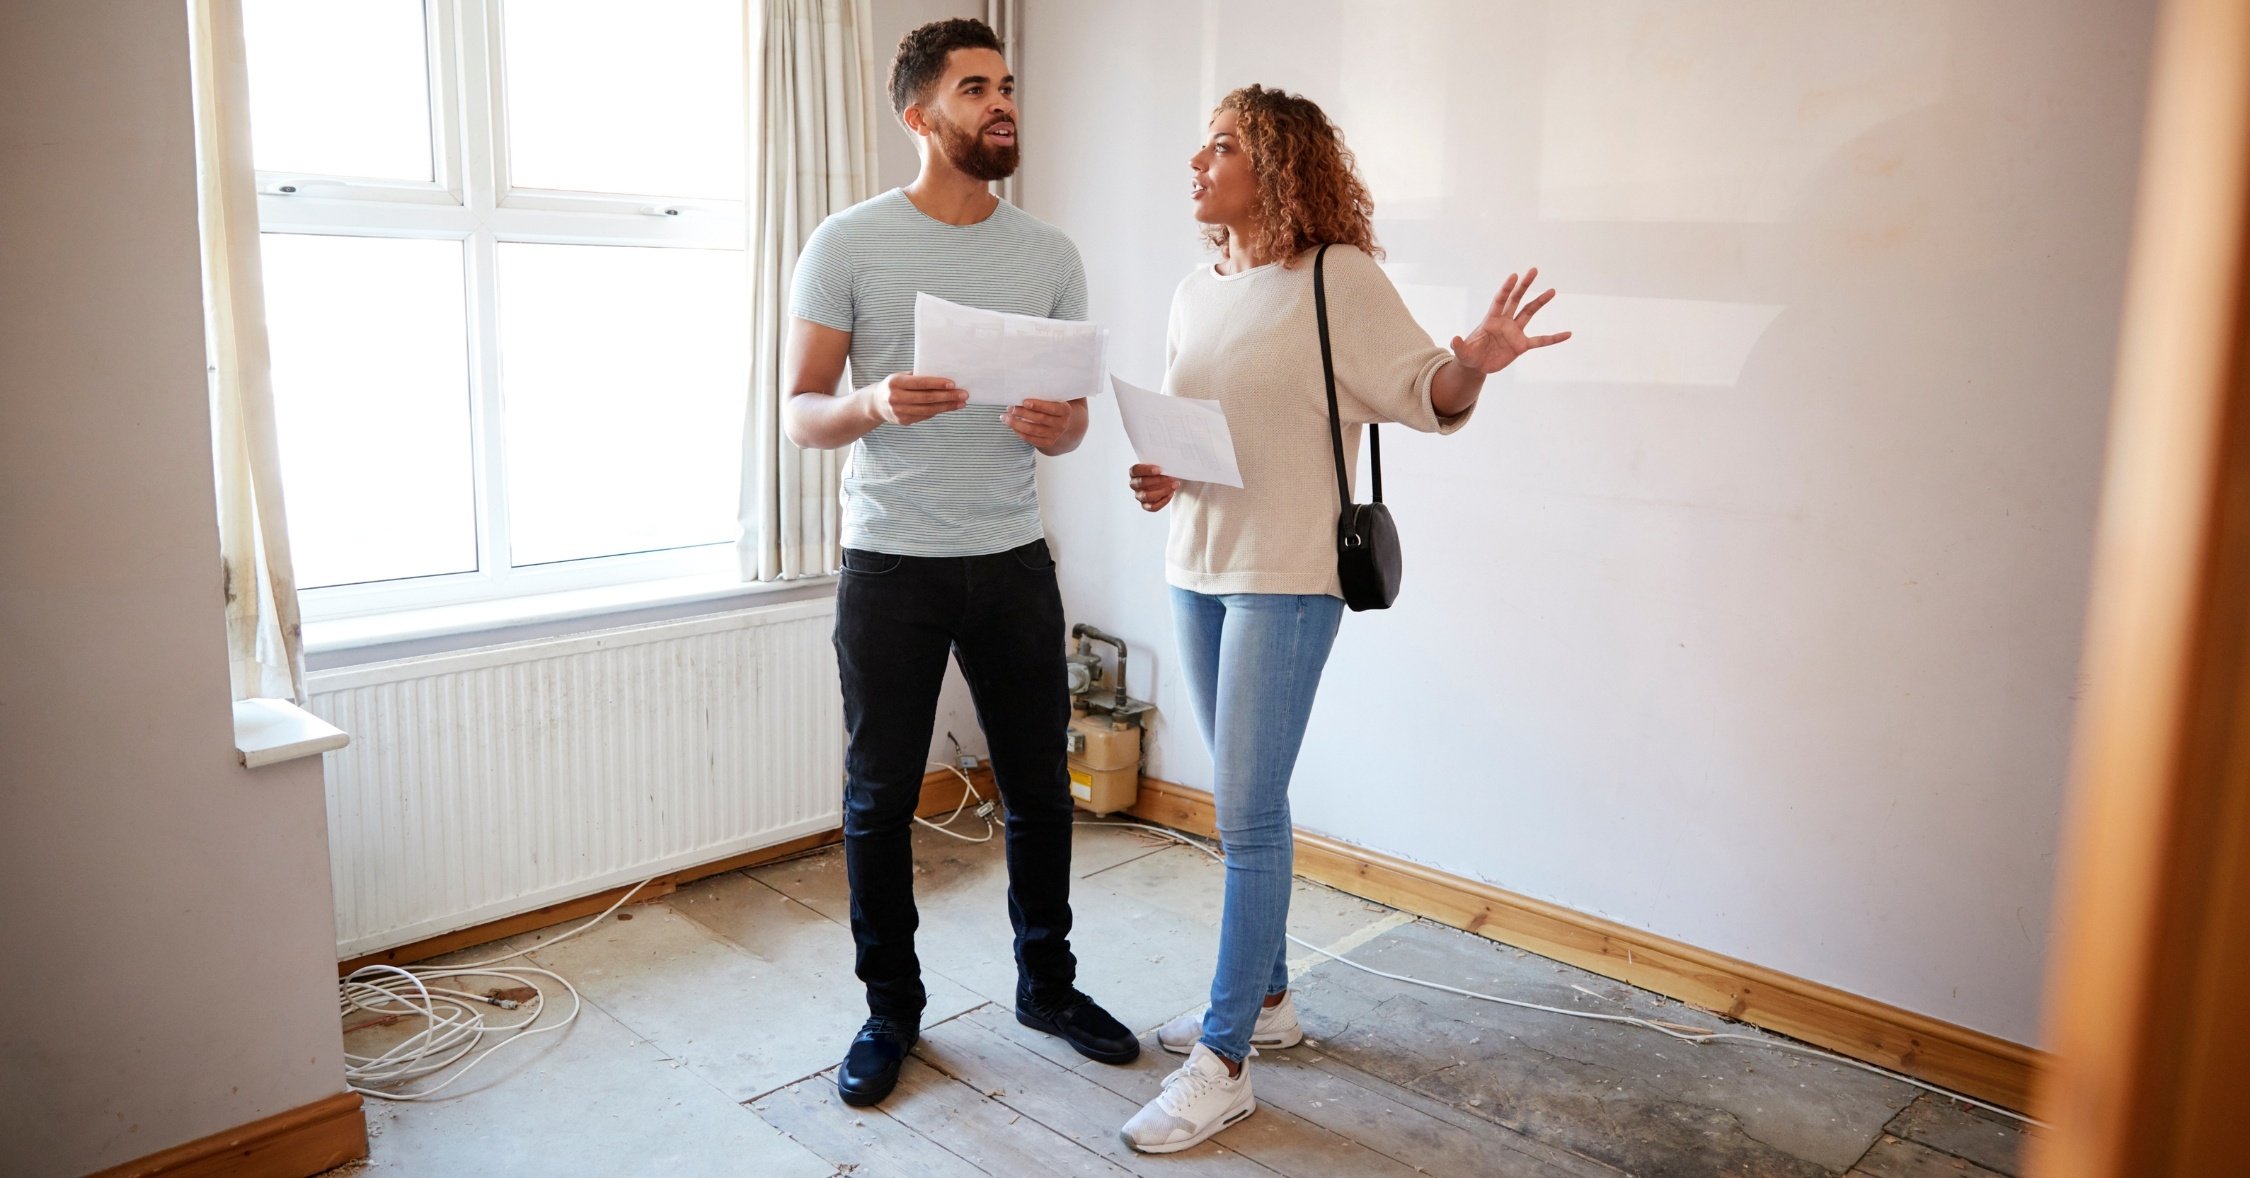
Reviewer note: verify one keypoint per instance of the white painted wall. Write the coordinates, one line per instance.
(1751, 616)
(170, 969)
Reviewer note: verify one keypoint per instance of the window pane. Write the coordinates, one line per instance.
(339, 87)
(625, 373)
(371, 393)
(645, 98)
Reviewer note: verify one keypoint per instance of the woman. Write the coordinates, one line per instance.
(1253, 569)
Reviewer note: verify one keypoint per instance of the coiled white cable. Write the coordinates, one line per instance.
(453, 1021)
(1696, 1035)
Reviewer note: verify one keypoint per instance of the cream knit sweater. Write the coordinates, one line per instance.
(1250, 342)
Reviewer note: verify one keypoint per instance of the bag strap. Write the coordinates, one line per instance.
(1375, 457)
(1335, 418)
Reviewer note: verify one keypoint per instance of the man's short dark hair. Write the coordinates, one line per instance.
(921, 56)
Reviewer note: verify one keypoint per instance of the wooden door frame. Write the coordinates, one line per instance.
(2152, 948)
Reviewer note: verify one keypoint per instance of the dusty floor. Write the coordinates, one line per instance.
(713, 1017)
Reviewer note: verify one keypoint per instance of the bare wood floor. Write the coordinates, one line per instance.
(713, 1018)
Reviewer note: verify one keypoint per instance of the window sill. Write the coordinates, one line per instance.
(270, 731)
(388, 629)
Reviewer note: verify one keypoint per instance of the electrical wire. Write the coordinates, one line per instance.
(1686, 1034)
(453, 1023)
(968, 790)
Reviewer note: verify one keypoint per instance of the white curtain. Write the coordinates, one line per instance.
(812, 153)
(265, 647)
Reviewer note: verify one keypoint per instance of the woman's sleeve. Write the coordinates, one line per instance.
(1384, 360)
(1172, 333)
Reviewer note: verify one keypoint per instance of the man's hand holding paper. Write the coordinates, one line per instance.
(905, 399)
(1041, 423)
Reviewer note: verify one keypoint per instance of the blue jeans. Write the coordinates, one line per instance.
(1253, 663)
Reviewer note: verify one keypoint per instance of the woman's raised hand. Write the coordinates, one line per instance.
(1152, 486)
(1496, 342)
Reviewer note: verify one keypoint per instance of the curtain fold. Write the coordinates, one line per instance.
(265, 646)
(811, 153)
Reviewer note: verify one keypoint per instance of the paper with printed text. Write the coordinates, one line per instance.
(1004, 359)
(1185, 437)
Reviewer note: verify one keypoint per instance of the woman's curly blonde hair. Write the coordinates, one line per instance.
(1309, 189)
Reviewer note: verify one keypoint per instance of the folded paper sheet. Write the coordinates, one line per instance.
(1185, 437)
(1003, 359)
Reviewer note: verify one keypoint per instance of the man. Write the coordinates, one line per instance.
(944, 551)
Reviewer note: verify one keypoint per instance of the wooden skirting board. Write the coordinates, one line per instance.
(941, 792)
(1954, 1057)
(305, 1140)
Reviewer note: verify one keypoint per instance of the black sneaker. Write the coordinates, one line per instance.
(870, 1068)
(1075, 1019)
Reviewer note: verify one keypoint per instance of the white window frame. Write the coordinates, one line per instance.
(470, 201)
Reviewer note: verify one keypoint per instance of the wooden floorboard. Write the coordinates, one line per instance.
(1895, 1157)
(1355, 1107)
(1070, 1104)
(1295, 1131)
(1969, 1133)
(1475, 1128)
(990, 1135)
(867, 1140)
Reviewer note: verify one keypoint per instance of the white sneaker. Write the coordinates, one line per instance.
(1198, 1100)
(1277, 1027)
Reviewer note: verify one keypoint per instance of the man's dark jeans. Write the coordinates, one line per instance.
(897, 619)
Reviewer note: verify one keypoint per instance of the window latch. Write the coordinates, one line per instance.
(293, 186)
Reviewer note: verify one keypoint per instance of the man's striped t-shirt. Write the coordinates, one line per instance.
(959, 484)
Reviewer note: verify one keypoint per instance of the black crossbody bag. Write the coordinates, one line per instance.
(1367, 553)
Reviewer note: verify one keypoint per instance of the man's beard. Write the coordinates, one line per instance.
(969, 152)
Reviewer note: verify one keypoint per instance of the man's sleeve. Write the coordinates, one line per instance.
(821, 289)
(1071, 303)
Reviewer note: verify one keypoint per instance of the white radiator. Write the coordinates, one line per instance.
(484, 783)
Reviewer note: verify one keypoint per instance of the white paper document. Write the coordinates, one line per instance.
(1185, 437)
(1004, 359)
